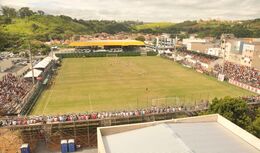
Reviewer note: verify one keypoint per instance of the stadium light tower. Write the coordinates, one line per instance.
(175, 47)
(30, 54)
(52, 55)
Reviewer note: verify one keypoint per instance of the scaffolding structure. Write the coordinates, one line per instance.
(84, 132)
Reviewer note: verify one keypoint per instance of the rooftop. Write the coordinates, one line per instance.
(103, 43)
(212, 133)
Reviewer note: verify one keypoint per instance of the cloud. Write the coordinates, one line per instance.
(145, 10)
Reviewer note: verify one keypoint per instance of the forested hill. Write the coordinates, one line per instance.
(21, 24)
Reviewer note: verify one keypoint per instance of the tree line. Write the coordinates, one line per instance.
(239, 112)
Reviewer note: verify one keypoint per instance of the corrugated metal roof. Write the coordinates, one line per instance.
(107, 43)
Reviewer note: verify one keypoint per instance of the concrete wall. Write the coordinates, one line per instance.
(256, 57)
(201, 47)
(249, 138)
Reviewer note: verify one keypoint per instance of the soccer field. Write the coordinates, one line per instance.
(118, 83)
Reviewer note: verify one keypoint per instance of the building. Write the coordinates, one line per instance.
(187, 42)
(200, 47)
(255, 58)
(214, 51)
(202, 134)
(164, 42)
(241, 52)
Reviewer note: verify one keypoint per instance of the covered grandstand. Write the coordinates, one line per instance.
(108, 44)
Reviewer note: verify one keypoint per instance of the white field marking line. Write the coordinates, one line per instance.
(49, 97)
(90, 103)
(48, 100)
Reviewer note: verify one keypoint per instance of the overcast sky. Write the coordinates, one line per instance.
(145, 10)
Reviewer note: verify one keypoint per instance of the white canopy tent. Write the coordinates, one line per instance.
(36, 72)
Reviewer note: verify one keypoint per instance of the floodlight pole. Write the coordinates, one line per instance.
(175, 47)
(30, 54)
(51, 48)
(224, 53)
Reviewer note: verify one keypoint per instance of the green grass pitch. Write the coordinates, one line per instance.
(118, 83)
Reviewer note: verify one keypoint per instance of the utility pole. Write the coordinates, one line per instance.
(30, 54)
(176, 39)
(175, 47)
(223, 46)
(52, 53)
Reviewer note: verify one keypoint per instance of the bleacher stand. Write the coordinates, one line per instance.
(12, 92)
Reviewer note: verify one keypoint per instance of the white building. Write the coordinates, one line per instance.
(214, 51)
(187, 42)
(165, 41)
(240, 52)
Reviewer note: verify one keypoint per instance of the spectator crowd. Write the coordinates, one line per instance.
(240, 73)
(198, 61)
(199, 57)
(32, 120)
(154, 110)
(12, 92)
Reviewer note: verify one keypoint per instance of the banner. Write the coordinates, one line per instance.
(221, 77)
(244, 86)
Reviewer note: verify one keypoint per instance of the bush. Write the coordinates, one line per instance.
(151, 53)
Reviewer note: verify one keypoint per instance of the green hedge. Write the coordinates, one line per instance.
(100, 54)
(151, 53)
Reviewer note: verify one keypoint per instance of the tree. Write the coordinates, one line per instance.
(241, 31)
(5, 20)
(25, 12)
(140, 38)
(3, 41)
(8, 40)
(234, 109)
(256, 126)
(40, 12)
(34, 27)
(8, 12)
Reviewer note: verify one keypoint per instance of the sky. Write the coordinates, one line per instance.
(145, 10)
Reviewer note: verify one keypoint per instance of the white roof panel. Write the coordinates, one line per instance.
(36, 73)
(207, 137)
(44, 63)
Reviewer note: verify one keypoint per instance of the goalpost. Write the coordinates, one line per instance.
(180, 100)
(165, 101)
(111, 55)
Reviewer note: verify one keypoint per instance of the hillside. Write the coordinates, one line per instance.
(23, 24)
(154, 26)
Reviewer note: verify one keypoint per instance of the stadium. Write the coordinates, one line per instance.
(112, 82)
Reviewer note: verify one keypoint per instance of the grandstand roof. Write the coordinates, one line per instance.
(107, 43)
(43, 63)
(35, 71)
(204, 134)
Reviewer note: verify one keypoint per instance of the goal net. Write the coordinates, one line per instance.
(167, 101)
(178, 101)
(143, 54)
(111, 55)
